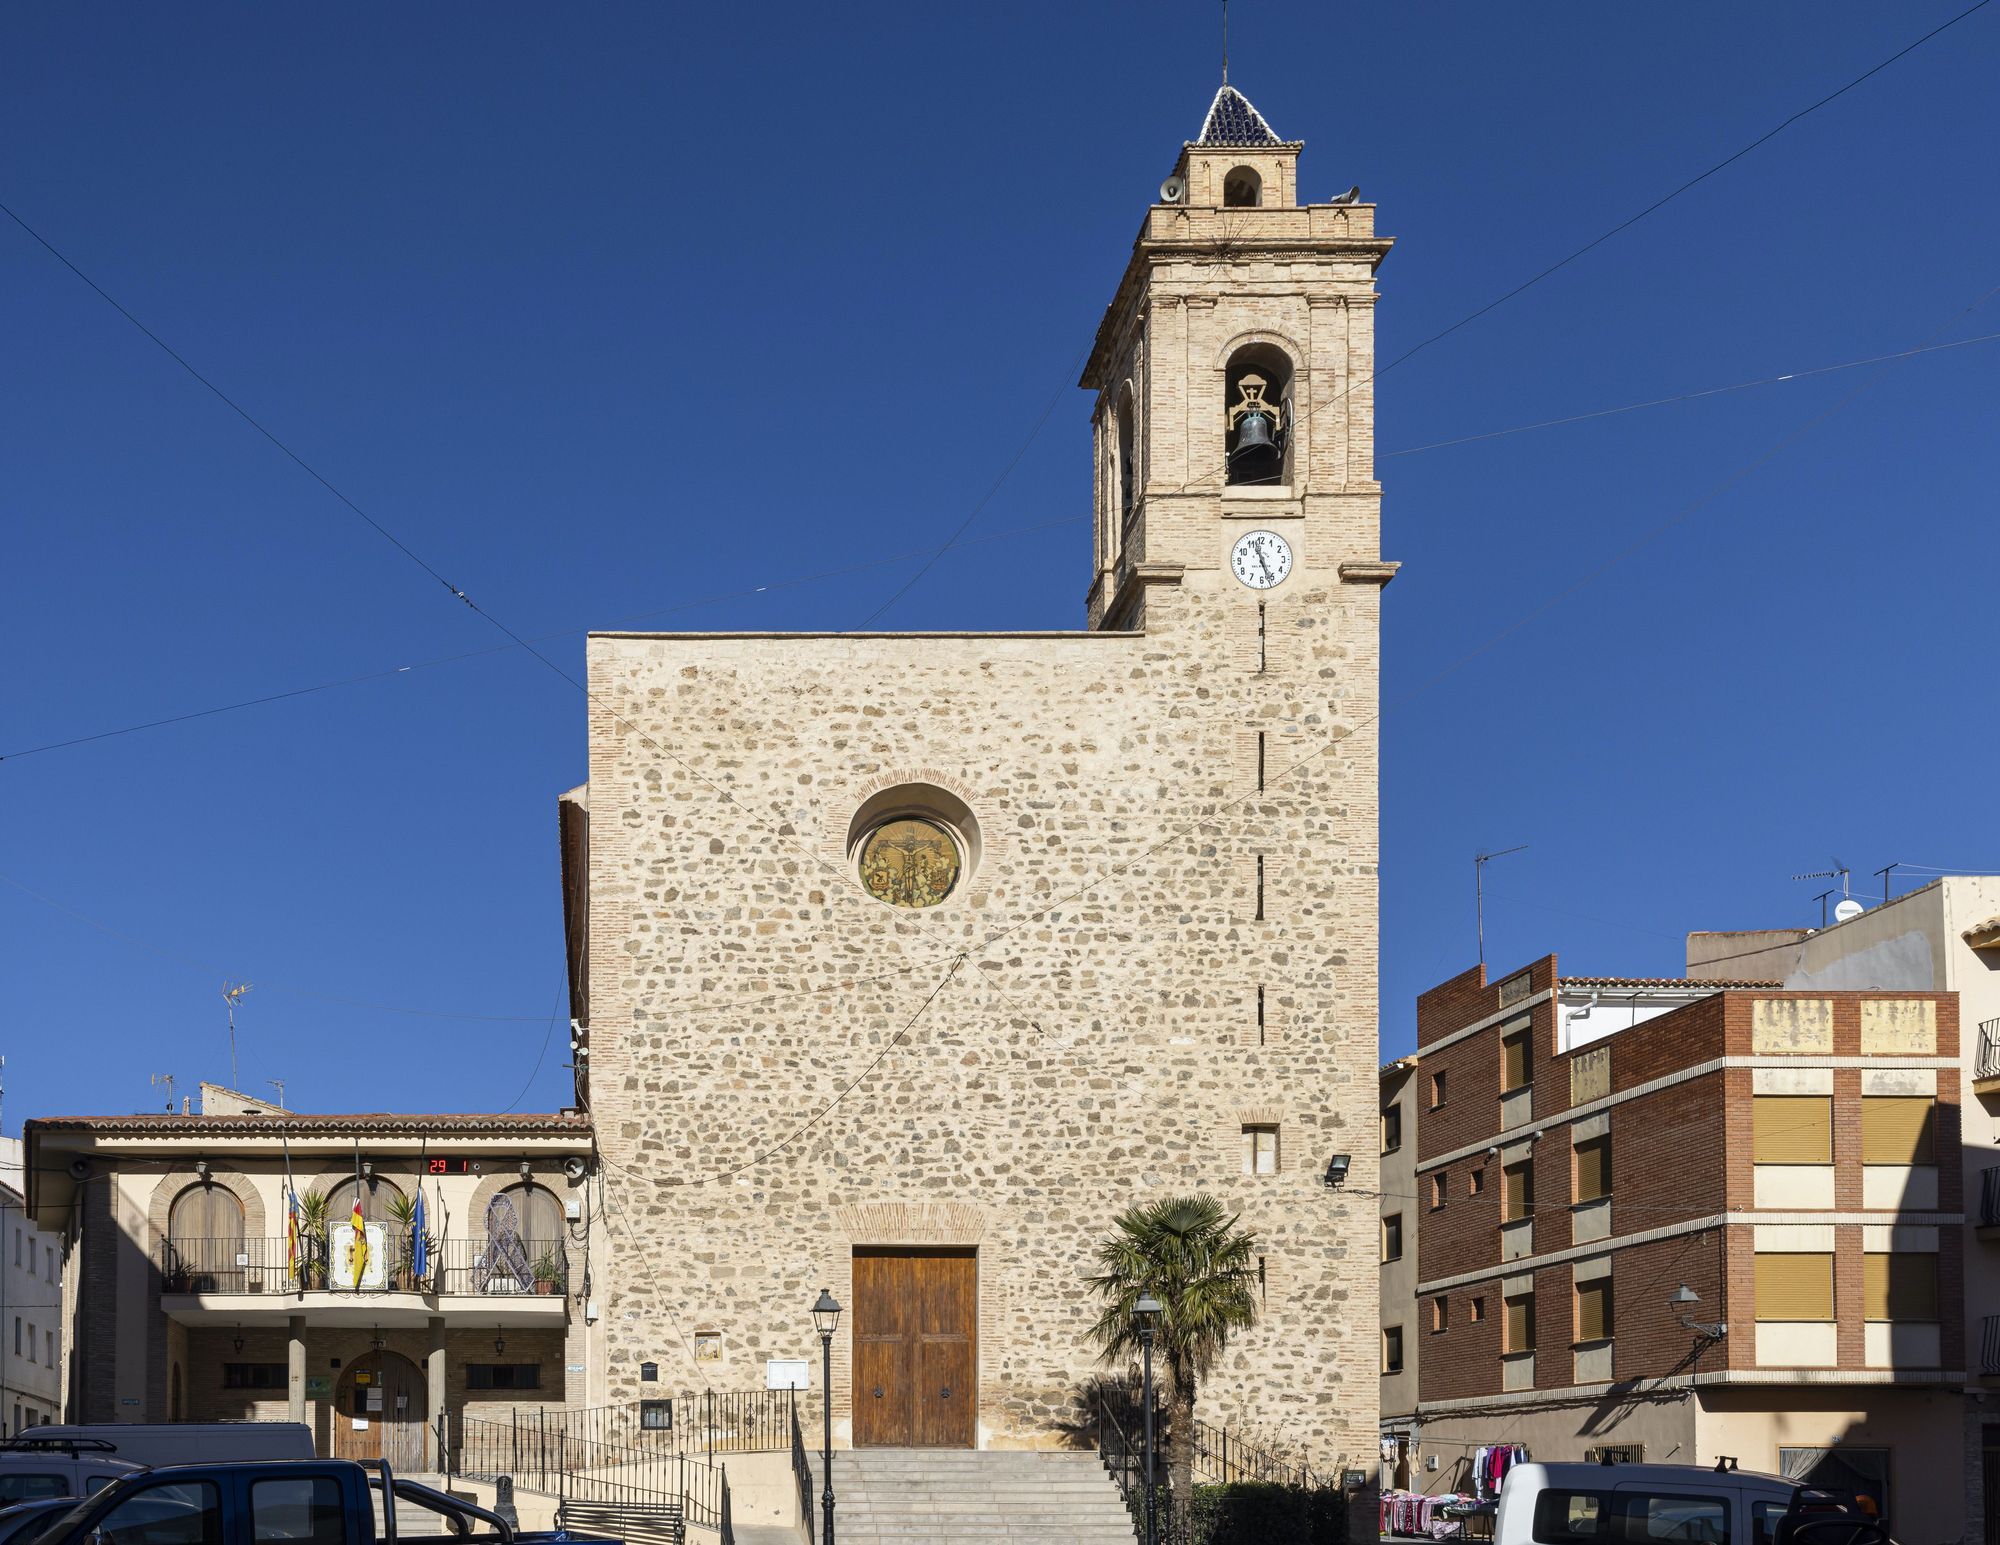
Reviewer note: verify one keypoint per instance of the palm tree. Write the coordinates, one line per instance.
(1190, 1255)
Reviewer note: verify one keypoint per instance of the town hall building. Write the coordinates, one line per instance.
(903, 963)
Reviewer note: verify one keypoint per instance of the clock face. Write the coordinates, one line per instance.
(1261, 559)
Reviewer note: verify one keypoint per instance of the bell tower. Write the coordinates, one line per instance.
(1234, 379)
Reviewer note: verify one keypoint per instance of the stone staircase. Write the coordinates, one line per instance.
(929, 1496)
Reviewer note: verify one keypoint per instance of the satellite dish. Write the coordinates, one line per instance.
(1848, 910)
(1173, 191)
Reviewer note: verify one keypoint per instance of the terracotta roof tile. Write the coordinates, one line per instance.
(553, 1124)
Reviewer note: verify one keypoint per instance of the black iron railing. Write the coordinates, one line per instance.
(802, 1473)
(1124, 1459)
(1221, 1459)
(1989, 1196)
(725, 1526)
(1988, 1065)
(456, 1267)
(1989, 1344)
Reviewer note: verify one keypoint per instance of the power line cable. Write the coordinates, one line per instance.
(494, 649)
(1711, 391)
(562, 997)
(1590, 576)
(1624, 225)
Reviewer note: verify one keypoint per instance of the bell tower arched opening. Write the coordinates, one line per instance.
(1127, 469)
(1257, 415)
(1242, 188)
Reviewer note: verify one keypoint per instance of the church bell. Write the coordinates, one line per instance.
(1257, 454)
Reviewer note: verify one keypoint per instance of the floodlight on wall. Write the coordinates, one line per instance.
(1337, 1167)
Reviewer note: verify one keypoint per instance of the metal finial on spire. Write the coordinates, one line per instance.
(1225, 42)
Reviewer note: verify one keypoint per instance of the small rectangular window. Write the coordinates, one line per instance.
(255, 1376)
(1392, 1349)
(303, 1508)
(49, 1337)
(1899, 1286)
(1475, 1309)
(503, 1375)
(1440, 1187)
(1392, 1237)
(1260, 1150)
(1440, 1313)
(1475, 1182)
(17, 1335)
(1392, 1128)
(1896, 1129)
(31, 1341)
(1519, 1197)
(1593, 1310)
(656, 1415)
(1439, 1083)
(1516, 1066)
(1791, 1129)
(1593, 1169)
(1521, 1323)
(1794, 1287)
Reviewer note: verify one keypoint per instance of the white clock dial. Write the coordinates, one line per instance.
(1261, 559)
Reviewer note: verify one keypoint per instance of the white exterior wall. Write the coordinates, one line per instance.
(30, 1295)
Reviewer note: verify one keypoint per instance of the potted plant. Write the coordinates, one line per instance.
(403, 1274)
(313, 1205)
(548, 1271)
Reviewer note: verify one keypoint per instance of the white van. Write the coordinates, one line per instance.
(1597, 1504)
(183, 1443)
(32, 1470)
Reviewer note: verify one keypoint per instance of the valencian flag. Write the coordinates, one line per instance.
(291, 1233)
(358, 1256)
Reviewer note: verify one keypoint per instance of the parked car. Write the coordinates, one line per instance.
(33, 1469)
(24, 1521)
(1614, 1504)
(312, 1501)
(185, 1443)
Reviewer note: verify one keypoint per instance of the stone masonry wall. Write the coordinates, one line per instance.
(1096, 1045)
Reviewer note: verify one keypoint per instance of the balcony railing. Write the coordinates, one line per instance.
(1988, 1065)
(456, 1268)
(1989, 1344)
(1989, 1196)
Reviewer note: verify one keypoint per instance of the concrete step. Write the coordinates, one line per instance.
(943, 1496)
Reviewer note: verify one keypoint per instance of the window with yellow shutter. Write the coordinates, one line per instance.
(1899, 1286)
(1516, 1067)
(1896, 1129)
(1593, 1169)
(1593, 1310)
(1518, 1196)
(1792, 1128)
(1794, 1287)
(1521, 1323)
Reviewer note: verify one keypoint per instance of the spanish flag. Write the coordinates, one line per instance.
(358, 1254)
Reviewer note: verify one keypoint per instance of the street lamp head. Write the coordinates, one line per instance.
(1684, 1296)
(826, 1313)
(1146, 1314)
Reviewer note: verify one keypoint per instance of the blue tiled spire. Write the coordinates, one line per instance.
(1233, 121)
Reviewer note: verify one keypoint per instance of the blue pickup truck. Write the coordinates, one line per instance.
(269, 1502)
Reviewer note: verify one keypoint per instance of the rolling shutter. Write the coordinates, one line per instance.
(1519, 1198)
(1896, 1129)
(1514, 1069)
(1902, 1286)
(1521, 1323)
(1794, 1287)
(1792, 1128)
(1593, 1310)
(1593, 1169)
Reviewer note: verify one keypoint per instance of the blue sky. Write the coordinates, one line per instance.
(612, 311)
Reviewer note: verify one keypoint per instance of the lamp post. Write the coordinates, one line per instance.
(1146, 1316)
(826, 1320)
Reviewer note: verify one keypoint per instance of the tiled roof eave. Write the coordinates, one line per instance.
(163, 1125)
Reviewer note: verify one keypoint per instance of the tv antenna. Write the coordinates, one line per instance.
(233, 995)
(168, 1080)
(1479, 862)
(279, 1085)
(1838, 872)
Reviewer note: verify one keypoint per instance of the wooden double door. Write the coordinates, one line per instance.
(380, 1411)
(916, 1316)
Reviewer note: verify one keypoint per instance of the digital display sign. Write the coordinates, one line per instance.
(451, 1166)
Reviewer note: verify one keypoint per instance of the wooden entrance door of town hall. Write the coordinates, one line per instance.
(379, 1411)
(916, 1315)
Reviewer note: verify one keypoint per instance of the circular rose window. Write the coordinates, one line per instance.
(909, 862)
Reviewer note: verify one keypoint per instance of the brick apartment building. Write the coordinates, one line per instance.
(1587, 1152)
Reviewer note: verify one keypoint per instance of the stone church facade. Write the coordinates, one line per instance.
(903, 963)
